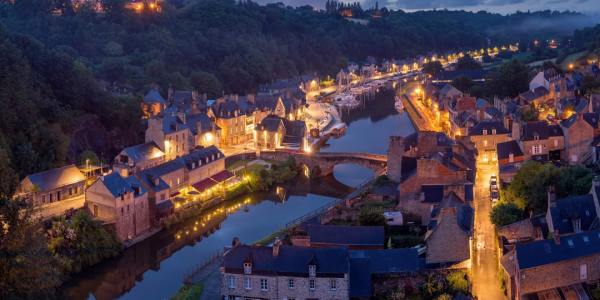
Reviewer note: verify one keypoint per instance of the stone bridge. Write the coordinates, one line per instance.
(322, 163)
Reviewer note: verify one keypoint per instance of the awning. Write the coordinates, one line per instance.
(203, 185)
(175, 194)
(222, 176)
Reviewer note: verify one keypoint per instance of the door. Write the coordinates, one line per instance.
(583, 272)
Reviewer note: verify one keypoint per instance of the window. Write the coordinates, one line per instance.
(264, 284)
(333, 284)
(127, 207)
(248, 283)
(555, 143)
(43, 198)
(247, 268)
(231, 281)
(537, 149)
(95, 210)
(162, 197)
(573, 158)
(311, 284)
(122, 211)
(511, 158)
(583, 272)
(485, 132)
(290, 283)
(494, 131)
(312, 270)
(485, 143)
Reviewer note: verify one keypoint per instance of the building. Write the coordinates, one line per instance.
(539, 267)
(170, 133)
(121, 202)
(137, 158)
(449, 242)
(540, 140)
(580, 131)
(52, 186)
(485, 136)
(573, 214)
(333, 236)
(285, 272)
(203, 163)
(276, 132)
(510, 157)
(204, 132)
(235, 116)
(153, 103)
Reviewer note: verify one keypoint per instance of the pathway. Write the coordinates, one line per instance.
(485, 269)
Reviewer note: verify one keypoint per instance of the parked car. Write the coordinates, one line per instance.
(493, 182)
(495, 195)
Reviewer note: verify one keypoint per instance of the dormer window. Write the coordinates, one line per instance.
(312, 271)
(485, 132)
(247, 268)
(536, 137)
(494, 131)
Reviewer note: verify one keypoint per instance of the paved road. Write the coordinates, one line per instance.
(58, 208)
(486, 284)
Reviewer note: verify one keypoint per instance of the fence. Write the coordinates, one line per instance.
(188, 277)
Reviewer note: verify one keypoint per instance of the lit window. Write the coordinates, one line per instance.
(231, 280)
(290, 283)
(494, 131)
(247, 268)
(311, 284)
(333, 284)
(248, 283)
(264, 284)
(485, 132)
(312, 270)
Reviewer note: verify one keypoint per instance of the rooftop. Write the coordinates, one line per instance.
(55, 178)
(545, 252)
(346, 235)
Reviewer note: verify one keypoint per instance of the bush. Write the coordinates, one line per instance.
(458, 283)
(595, 293)
(444, 297)
(371, 217)
(189, 292)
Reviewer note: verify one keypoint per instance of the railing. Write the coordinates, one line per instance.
(188, 277)
(359, 155)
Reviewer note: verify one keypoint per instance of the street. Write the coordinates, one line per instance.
(484, 271)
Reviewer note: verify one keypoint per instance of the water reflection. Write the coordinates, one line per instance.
(351, 174)
(154, 268)
(369, 128)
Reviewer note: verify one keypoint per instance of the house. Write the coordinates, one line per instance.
(510, 157)
(543, 79)
(275, 132)
(121, 202)
(203, 130)
(170, 133)
(137, 158)
(449, 241)
(153, 103)
(285, 272)
(64, 183)
(332, 236)
(485, 136)
(159, 198)
(565, 262)
(235, 116)
(518, 232)
(448, 91)
(202, 164)
(538, 97)
(573, 214)
(580, 131)
(539, 140)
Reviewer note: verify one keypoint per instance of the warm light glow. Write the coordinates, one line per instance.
(208, 137)
(307, 149)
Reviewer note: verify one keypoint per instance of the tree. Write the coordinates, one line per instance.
(463, 84)
(458, 283)
(511, 79)
(8, 177)
(574, 180)
(505, 213)
(467, 63)
(529, 114)
(88, 156)
(529, 187)
(433, 67)
(207, 83)
(28, 269)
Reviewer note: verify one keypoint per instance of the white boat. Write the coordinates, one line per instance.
(398, 105)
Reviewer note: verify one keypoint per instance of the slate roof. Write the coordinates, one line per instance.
(346, 235)
(295, 131)
(270, 124)
(538, 253)
(201, 156)
(538, 92)
(489, 126)
(206, 124)
(518, 231)
(494, 112)
(595, 103)
(590, 118)
(360, 278)
(291, 260)
(571, 208)
(143, 152)
(555, 130)
(230, 108)
(153, 96)
(533, 129)
(447, 88)
(182, 97)
(462, 118)
(448, 242)
(504, 150)
(117, 185)
(148, 181)
(55, 178)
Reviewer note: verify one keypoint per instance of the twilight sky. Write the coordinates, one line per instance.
(499, 6)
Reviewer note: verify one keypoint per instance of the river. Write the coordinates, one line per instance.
(154, 268)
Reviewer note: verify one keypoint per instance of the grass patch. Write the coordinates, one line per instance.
(270, 238)
(189, 292)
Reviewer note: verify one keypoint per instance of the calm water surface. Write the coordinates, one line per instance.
(154, 268)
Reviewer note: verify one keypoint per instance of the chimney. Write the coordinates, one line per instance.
(276, 246)
(551, 197)
(156, 180)
(556, 236)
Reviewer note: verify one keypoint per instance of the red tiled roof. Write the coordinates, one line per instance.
(222, 176)
(203, 185)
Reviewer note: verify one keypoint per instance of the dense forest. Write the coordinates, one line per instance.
(57, 58)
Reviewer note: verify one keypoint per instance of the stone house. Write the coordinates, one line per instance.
(137, 158)
(269, 133)
(334, 236)
(510, 157)
(202, 164)
(580, 130)
(153, 103)
(170, 133)
(159, 197)
(51, 186)
(235, 116)
(285, 272)
(485, 136)
(539, 140)
(573, 214)
(121, 202)
(449, 241)
(203, 130)
(539, 266)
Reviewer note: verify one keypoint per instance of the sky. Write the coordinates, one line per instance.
(498, 6)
